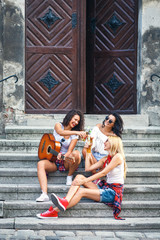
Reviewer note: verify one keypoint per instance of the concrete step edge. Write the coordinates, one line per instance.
(36, 141)
(34, 223)
(88, 223)
(28, 204)
(33, 172)
(41, 128)
(63, 187)
(11, 156)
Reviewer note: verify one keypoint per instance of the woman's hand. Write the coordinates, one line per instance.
(82, 134)
(78, 182)
(86, 145)
(59, 156)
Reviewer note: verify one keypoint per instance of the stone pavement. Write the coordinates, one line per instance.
(9, 234)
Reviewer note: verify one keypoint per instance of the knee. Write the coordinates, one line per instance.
(79, 177)
(77, 156)
(41, 165)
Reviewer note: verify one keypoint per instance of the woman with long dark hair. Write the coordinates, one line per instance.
(111, 126)
(67, 133)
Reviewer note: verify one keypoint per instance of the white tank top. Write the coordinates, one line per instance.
(64, 142)
(116, 175)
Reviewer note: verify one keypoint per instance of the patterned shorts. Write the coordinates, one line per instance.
(60, 165)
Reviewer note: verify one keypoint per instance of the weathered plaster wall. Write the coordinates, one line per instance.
(1, 66)
(12, 40)
(13, 59)
(150, 91)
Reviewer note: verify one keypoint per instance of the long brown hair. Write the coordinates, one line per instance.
(69, 116)
(118, 125)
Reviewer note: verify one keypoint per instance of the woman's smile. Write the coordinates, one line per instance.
(74, 121)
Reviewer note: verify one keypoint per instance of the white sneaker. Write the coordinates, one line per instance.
(43, 198)
(69, 180)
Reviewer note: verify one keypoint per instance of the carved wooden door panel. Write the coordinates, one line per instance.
(54, 82)
(111, 56)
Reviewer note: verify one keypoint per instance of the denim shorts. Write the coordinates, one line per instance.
(107, 195)
(98, 155)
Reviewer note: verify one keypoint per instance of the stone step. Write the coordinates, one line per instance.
(36, 132)
(29, 175)
(19, 160)
(138, 120)
(32, 191)
(130, 146)
(129, 224)
(23, 208)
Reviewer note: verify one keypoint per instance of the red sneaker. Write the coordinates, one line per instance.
(61, 203)
(48, 214)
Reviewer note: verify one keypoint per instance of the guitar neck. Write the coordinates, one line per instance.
(55, 153)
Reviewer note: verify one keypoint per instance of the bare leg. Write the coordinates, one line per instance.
(43, 167)
(75, 193)
(92, 158)
(93, 194)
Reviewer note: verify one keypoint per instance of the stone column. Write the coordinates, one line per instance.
(13, 59)
(150, 92)
(1, 65)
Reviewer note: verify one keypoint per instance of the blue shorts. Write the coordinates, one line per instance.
(106, 195)
(98, 155)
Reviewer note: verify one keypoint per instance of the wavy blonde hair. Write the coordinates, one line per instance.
(117, 147)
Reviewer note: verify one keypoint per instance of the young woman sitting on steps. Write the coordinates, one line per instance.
(67, 133)
(111, 126)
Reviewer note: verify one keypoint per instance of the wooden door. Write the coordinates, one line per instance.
(54, 81)
(111, 56)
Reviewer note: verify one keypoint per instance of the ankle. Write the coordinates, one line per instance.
(45, 193)
(70, 176)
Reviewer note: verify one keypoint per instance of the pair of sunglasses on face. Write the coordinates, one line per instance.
(110, 120)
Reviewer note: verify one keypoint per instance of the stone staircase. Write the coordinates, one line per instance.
(19, 184)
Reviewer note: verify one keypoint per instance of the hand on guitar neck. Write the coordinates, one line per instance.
(60, 156)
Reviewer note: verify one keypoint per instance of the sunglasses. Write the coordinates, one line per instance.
(110, 121)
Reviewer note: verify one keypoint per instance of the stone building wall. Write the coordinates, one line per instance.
(12, 61)
(150, 91)
(1, 66)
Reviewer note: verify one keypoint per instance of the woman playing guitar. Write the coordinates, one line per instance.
(67, 133)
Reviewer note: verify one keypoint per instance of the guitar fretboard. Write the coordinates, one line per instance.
(55, 153)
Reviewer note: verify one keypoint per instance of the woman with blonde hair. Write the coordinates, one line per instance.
(109, 191)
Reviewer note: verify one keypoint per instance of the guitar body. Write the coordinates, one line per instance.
(46, 144)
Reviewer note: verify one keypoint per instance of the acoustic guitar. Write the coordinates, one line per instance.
(49, 149)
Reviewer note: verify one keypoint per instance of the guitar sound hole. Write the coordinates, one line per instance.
(49, 149)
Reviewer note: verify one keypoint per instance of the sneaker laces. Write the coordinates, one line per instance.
(49, 210)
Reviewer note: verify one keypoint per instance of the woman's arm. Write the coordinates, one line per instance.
(63, 132)
(90, 167)
(71, 147)
(116, 160)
